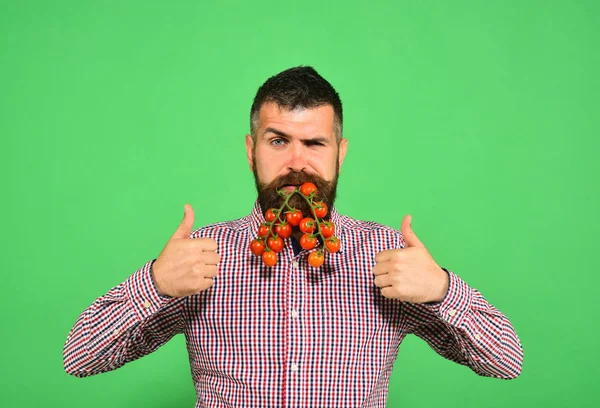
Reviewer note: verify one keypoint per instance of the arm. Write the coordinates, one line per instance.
(466, 329)
(129, 322)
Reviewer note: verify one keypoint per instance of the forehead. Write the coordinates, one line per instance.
(310, 121)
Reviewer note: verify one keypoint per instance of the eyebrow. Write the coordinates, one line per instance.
(309, 141)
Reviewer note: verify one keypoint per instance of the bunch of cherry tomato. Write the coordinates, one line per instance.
(279, 223)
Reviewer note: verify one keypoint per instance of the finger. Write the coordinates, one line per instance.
(208, 282)
(185, 228)
(383, 281)
(210, 271)
(384, 256)
(390, 292)
(207, 244)
(382, 268)
(210, 258)
(410, 238)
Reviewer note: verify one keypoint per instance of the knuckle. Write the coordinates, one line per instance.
(198, 269)
(209, 244)
(199, 286)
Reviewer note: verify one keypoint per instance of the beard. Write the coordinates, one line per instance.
(268, 197)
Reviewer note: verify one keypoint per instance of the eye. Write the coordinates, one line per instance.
(277, 140)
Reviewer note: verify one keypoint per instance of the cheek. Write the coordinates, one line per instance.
(267, 167)
(324, 163)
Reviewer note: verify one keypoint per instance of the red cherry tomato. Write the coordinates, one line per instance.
(294, 217)
(275, 243)
(307, 225)
(308, 188)
(321, 209)
(283, 230)
(263, 230)
(257, 247)
(269, 258)
(327, 228)
(270, 215)
(308, 242)
(315, 259)
(333, 244)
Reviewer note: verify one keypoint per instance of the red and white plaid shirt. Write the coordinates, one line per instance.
(291, 335)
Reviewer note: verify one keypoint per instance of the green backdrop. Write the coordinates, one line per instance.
(480, 118)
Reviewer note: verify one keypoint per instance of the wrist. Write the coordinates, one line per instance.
(154, 280)
(443, 286)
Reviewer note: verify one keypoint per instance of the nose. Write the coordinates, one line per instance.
(297, 160)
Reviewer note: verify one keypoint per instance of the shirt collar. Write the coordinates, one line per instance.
(257, 217)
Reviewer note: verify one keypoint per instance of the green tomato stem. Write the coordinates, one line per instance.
(278, 215)
(311, 204)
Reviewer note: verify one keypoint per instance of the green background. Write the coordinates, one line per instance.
(479, 118)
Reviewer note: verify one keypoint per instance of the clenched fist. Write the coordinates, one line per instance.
(410, 274)
(186, 266)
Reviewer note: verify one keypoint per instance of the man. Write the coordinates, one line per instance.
(291, 334)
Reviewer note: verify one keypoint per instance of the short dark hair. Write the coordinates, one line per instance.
(298, 87)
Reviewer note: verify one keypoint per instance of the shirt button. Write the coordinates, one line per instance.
(147, 304)
(452, 312)
(295, 263)
(477, 336)
(294, 313)
(116, 332)
(294, 367)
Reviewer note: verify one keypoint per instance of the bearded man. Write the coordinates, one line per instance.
(292, 334)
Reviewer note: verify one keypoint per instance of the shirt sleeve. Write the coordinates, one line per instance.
(465, 328)
(129, 322)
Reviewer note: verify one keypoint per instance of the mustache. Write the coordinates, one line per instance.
(296, 179)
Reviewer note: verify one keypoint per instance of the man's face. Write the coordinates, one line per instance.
(293, 147)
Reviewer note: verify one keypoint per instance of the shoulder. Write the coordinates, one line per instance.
(361, 230)
(222, 228)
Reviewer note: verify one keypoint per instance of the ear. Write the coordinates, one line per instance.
(343, 148)
(249, 150)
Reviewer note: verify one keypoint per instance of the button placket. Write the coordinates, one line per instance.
(295, 331)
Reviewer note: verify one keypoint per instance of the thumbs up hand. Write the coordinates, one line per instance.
(410, 274)
(186, 266)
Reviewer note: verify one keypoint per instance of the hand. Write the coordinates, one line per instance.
(410, 274)
(186, 266)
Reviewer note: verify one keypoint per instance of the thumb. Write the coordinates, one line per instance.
(185, 228)
(408, 234)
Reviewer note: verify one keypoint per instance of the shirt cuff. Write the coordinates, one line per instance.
(456, 303)
(142, 292)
